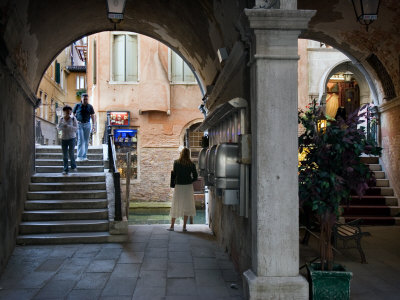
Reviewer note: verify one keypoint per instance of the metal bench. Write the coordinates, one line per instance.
(350, 231)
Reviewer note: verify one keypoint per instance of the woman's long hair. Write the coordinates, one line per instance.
(184, 158)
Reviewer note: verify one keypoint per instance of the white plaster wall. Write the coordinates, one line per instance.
(320, 60)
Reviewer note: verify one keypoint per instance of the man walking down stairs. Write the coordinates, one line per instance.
(379, 206)
(69, 208)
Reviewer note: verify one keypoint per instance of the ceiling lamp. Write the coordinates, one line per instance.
(347, 76)
(115, 10)
(366, 11)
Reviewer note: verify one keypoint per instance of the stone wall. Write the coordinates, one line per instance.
(155, 165)
(16, 158)
(390, 141)
(232, 231)
(49, 132)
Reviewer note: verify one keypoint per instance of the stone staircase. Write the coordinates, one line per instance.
(65, 208)
(379, 206)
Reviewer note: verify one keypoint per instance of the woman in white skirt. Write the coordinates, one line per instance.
(183, 199)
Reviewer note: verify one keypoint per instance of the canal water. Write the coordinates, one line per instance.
(160, 216)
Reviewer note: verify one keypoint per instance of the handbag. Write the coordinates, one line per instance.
(172, 181)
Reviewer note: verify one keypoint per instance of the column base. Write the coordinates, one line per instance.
(285, 288)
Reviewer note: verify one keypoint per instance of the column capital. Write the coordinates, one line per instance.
(279, 19)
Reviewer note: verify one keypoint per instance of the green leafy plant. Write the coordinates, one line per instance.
(331, 168)
(80, 92)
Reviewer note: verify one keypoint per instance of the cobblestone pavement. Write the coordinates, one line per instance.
(380, 277)
(154, 264)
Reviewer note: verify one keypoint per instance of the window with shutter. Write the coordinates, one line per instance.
(131, 58)
(81, 82)
(58, 72)
(180, 71)
(94, 62)
(125, 58)
(118, 57)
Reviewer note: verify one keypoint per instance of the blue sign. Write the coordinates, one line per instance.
(125, 136)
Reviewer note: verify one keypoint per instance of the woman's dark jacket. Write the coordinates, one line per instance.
(184, 174)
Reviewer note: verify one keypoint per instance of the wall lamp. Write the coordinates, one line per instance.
(366, 11)
(115, 10)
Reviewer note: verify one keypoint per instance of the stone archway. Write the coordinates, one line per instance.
(366, 90)
(197, 29)
(185, 127)
(30, 42)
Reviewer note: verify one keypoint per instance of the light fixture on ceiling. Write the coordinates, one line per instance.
(115, 10)
(366, 11)
(347, 76)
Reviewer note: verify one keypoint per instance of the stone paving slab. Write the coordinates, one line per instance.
(153, 264)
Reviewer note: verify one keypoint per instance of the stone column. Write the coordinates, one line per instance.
(275, 209)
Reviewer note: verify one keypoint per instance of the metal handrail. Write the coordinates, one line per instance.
(112, 165)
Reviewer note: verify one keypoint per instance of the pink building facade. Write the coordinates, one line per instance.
(128, 72)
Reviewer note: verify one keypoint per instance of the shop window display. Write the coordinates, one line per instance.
(125, 141)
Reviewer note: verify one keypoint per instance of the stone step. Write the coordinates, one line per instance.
(59, 169)
(381, 191)
(375, 167)
(60, 156)
(382, 183)
(67, 186)
(367, 210)
(370, 159)
(65, 214)
(64, 238)
(65, 204)
(66, 195)
(374, 220)
(71, 177)
(59, 162)
(63, 226)
(379, 174)
(374, 200)
(57, 149)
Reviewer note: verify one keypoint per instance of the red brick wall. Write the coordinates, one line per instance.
(155, 165)
(390, 132)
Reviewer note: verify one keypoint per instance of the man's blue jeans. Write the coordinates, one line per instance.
(83, 139)
(68, 147)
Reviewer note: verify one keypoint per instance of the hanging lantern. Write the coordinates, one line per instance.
(366, 11)
(347, 76)
(115, 10)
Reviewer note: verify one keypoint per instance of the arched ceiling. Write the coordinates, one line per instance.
(36, 31)
(335, 24)
(33, 32)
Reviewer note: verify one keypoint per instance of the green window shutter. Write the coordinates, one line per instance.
(58, 73)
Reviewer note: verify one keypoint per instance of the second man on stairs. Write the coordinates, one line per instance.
(83, 112)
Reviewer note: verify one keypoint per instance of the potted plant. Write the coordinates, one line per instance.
(329, 170)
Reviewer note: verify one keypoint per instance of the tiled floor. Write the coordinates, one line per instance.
(380, 277)
(155, 264)
(158, 264)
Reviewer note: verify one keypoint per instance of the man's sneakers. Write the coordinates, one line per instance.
(82, 159)
(74, 170)
(65, 173)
